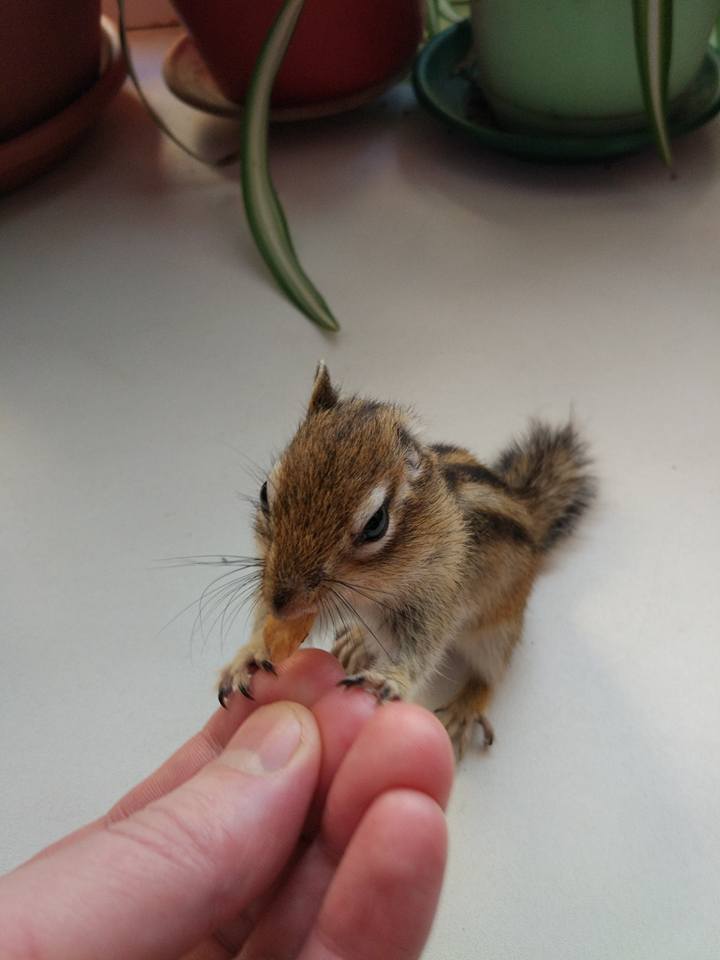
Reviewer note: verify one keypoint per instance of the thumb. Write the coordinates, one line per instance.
(156, 883)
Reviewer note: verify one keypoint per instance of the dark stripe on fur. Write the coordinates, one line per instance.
(457, 473)
(407, 620)
(485, 525)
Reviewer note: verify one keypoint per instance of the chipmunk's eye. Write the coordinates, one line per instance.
(264, 499)
(377, 525)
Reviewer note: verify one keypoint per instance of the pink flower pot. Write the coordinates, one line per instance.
(340, 47)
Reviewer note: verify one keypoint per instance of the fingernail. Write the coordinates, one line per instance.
(267, 741)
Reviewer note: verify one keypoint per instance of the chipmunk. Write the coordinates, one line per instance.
(410, 549)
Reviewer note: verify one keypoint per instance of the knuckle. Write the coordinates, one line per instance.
(167, 833)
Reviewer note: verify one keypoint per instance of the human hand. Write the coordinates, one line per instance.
(309, 829)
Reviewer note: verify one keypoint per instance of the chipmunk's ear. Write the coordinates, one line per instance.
(324, 395)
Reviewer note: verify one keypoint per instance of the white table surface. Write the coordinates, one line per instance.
(146, 360)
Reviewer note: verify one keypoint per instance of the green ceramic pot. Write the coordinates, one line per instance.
(569, 66)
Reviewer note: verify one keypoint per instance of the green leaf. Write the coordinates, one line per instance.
(264, 212)
(432, 18)
(155, 116)
(448, 12)
(653, 23)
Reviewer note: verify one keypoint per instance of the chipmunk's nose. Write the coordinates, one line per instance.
(297, 596)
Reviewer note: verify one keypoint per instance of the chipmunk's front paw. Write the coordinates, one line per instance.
(349, 648)
(382, 687)
(237, 676)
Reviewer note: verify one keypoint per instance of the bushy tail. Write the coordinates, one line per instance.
(548, 468)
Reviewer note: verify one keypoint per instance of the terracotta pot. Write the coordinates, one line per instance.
(340, 47)
(50, 55)
(44, 144)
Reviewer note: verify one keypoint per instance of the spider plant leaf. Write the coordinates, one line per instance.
(222, 161)
(262, 206)
(653, 24)
(448, 12)
(432, 18)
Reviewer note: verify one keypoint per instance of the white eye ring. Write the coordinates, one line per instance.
(377, 526)
(372, 503)
(376, 500)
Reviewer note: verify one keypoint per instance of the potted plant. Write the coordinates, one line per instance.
(264, 212)
(573, 65)
(263, 53)
(60, 66)
(337, 49)
(582, 67)
(589, 67)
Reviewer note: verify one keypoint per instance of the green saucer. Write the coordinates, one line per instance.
(451, 96)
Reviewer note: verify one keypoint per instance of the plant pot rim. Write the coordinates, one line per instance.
(187, 76)
(33, 151)
(447, 93)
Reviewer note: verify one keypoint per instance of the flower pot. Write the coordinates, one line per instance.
(338, 49)
(569, 66)
(35, 150)
(50, 55)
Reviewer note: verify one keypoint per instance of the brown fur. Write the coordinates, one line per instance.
(455, 568)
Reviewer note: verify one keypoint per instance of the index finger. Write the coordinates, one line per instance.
(303, 679)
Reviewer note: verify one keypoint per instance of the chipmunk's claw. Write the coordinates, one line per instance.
(458, 723)
(488, 731)
(269, 667)
(381, 688)
(238, 677)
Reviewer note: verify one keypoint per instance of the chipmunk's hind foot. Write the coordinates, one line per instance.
(460, 716)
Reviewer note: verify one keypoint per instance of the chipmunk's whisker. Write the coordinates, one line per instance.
(366, 595)
(346, 603)
(339, 616)
(212, 593)
(199, 600)
(324, 618)
(330, 613)
(237, 600)
(251, 468)
(211, 560)
(254, 599)
(370, 590)
(240, 591)
(249, 498)
(217, 595)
